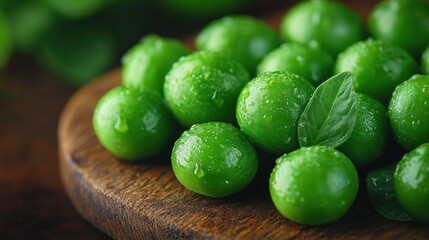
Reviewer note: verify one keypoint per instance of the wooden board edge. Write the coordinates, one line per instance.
(91, 202)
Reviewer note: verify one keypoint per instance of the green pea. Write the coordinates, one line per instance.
(242, 38)
(329, 23)
(409, 112)
(309, 61)
(268, 109)
(369, 137)
(203, 87)
(403, 23)
(412, 182)
(146, 64)
(132, 124)
(377, 67)
(313, 185)
(214, 159)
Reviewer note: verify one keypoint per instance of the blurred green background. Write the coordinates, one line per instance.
(78, 40)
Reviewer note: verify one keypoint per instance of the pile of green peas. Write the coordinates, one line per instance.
(243, 89)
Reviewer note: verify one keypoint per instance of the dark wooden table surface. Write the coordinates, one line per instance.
(33, 203)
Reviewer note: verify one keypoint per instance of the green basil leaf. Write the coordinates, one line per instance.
(330, 115)
(381, 191)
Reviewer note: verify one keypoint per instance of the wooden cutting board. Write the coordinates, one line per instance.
(145, 201)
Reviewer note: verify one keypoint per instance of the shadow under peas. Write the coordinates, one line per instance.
(258, 189)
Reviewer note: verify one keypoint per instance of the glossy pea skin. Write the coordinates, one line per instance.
(146, 64)
(214, 159)
(308, 61)
(132, 124)
(242, 38)
(329, 23)
(203, 87)
(377, 67)
(408, 112)
(5, 40)
(313, 185)
(403, 23)
(412, 182)
(268, 109)
(369, 137)
(425, 61)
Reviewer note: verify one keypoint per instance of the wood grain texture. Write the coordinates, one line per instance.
(135, 201)
(145, 201)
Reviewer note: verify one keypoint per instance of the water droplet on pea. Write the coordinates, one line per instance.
(198, 171)
(121, 125)
(150, 120)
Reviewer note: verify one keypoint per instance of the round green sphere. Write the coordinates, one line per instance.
(214, 159)
(132, 124)
(329, 23)
(313, 185)
(409, 112)
(242, 38)
(308, 61)
(404, 23)
(412, 182)
(369, 137)
(268, 109)
(203, 87)
(377, 67)
(146, 64)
